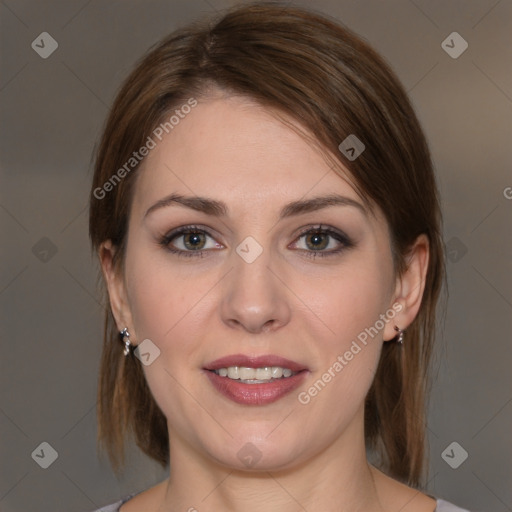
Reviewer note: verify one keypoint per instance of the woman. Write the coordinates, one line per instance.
(266, 217)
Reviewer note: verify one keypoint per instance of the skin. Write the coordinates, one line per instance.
(198, 309)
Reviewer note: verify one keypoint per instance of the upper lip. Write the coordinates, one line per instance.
(254, 362)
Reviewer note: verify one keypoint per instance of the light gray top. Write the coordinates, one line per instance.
(442, 506)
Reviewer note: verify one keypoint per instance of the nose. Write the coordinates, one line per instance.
(255, 298)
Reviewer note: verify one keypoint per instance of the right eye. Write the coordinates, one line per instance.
(191, 241)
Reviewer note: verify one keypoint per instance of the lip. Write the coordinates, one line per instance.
(255, 362)
(255, 394)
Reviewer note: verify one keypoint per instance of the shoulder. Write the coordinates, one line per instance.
(395, 495)
(114, 507)
(441, 506)
(150, 499)
(445, 506)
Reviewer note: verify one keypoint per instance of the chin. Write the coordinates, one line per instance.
(258, 453)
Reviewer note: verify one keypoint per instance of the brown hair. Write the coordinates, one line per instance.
(322, 75)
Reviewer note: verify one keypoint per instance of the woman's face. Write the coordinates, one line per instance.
(253, 282)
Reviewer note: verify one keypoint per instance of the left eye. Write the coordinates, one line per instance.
(323, 241)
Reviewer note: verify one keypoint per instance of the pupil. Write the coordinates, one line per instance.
(192, 239)
(316, 239)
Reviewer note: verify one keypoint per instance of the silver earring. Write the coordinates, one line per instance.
(400, 335)
(125, 338)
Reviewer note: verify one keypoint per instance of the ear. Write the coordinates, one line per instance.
(116, 288)
(409, 287)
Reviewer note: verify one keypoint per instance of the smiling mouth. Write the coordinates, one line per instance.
(256, 380)
(261, 375)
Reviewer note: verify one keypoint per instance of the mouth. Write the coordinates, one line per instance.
(255, 380)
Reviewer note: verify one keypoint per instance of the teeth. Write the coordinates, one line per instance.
(263, 373)
(245, 373)
(233, 372)
(277, 372)
(255, 375)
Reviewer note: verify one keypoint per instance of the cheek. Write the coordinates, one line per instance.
(165, 303)
(351, 302)
(169, 308)
(348, 338)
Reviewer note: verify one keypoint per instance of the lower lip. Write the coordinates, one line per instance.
(255, 394)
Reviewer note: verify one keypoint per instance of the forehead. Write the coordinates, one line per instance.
(238, 151)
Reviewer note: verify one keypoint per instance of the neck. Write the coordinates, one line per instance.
(339, 478)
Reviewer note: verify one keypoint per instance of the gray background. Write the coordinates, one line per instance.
(52, 111)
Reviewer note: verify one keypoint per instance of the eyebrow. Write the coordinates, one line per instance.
(219, 209)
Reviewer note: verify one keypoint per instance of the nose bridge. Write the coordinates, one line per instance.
(254, 297)
(252, 273)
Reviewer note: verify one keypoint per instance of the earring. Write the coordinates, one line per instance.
(400, 335)
(125, 338)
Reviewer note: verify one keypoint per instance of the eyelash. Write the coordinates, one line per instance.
(343, 239)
